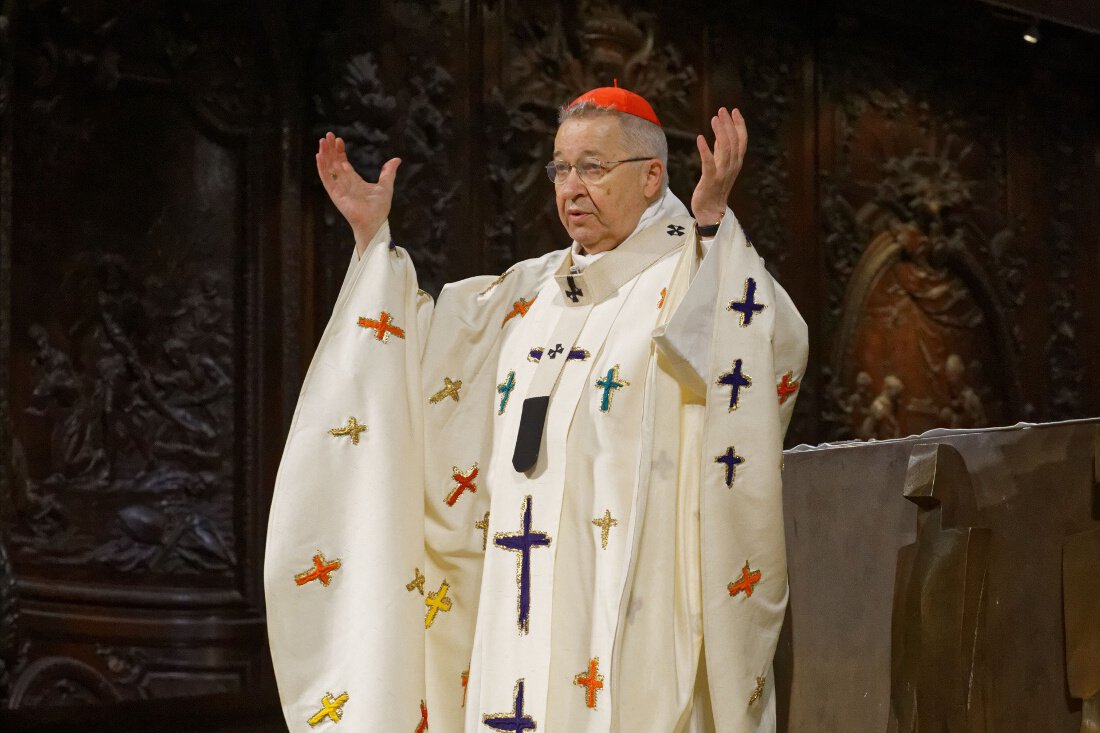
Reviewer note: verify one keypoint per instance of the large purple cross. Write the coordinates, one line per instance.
(747, 307)
(515, 721)
(523, 542)
(735, 379)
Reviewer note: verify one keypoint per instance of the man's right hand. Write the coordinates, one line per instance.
(365, 205)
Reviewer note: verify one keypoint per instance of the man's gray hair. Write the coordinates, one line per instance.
(642, 136)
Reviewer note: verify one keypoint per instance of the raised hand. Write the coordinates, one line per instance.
(365, 205)
(720, 167)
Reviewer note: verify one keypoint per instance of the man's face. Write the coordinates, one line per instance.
(599, 216)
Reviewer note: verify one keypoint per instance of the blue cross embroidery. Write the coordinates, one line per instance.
(515, 721)
(675, 230)
(732, 461)
(735, 379)
(609, 383)
(505, 389)
(747, 307)
(523, 542)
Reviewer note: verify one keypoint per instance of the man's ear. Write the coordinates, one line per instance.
(655, 175)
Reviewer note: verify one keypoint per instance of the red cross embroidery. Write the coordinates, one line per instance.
(423, 725)
(382, 327)
(519, 308)
(465, 685)
(748, 580)
(592, 682)
(787, 387)
(661, 302)
(320, 571)
(464, 482)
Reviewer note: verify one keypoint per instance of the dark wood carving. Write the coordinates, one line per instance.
(1081, 593)
(939, 680)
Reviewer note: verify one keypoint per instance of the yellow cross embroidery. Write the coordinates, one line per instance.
(605, 523)
(417, 582)
(331, 709)
(496, 282)
(436, 601)
(351, 430)
(450, 389)
(757, 692)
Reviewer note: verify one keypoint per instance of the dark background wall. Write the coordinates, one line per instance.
(923, 183)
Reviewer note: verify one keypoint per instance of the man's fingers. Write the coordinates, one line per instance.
(706, 158)
(389, 173)
(742, 134)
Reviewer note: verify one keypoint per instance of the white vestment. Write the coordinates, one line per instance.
(633, 578)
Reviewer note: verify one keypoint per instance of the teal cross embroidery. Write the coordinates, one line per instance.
(612, 381)
(505, 389)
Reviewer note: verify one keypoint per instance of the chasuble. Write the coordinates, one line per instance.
(549, 501)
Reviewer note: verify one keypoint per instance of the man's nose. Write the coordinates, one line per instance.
(572, 185)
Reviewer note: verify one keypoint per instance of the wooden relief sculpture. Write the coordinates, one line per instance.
(1081, 606)
(938, 679)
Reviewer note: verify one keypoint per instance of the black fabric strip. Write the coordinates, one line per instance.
(532, 421)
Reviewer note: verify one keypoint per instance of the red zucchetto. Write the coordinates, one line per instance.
(620, 99)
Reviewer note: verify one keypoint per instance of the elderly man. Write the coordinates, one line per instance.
(551, 500)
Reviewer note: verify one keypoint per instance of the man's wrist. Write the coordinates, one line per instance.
(707, 224)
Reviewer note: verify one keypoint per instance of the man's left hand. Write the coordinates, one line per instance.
(720, 167)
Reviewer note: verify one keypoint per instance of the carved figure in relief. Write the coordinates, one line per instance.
(938, 679)
(882, 414)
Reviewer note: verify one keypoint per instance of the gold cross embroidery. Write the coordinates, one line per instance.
(605, 523)
(450, 389)
(331, 709)
(351, 430)
(436, 601)
(483, 525)
(417, 582)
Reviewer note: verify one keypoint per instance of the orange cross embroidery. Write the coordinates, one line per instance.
(519, 308)
(436, 601)
(465, 685)
(423, 724)
(331, 709)
(664, 294)
(748, 580)
(787, 387)
(592, 682)
(465, 483)
(382, 327)
(351, 430)
(320, 571)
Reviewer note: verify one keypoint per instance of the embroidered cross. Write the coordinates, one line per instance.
(515, 721)
(522, 542)
(575, 354)
(483, 525)
(555, 351)
(436, 601)
(464, 482)
(496, 282)
(748, 580)
(661, 302)
(747, 307)
(465, 685)
(592, 683)
(758, 691)
(573, 293)
(787, 387)
(732, 461)
(605, 523)
(331, 709)
(505, 389)
(735, 379)
(450, 389)
(351, 430)
(321, 571)
(675, 230)
(382, 327)
(519, 308)
(422, 726)
(417, 582)
(608, 384)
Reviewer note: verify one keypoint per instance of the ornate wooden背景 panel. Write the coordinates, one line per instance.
(921, 181)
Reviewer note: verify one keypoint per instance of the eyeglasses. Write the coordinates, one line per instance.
(589, 170)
